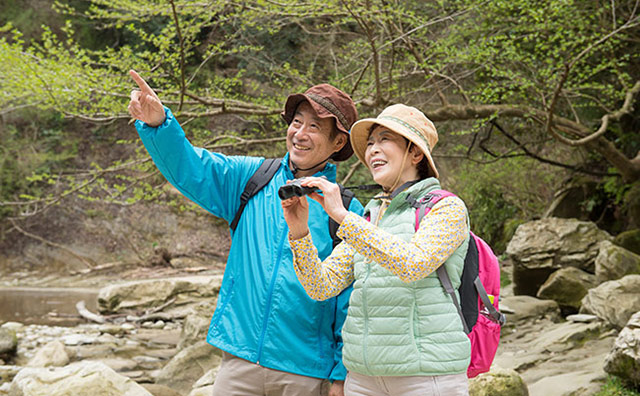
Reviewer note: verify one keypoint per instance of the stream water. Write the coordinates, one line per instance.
(45, 306)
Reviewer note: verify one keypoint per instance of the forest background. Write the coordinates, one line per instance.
(529, 97)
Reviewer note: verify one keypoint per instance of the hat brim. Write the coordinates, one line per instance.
(360, 134)
(290, 108)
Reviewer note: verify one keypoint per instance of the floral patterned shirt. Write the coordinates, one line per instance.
(440, 233)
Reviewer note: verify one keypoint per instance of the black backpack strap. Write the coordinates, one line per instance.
(468, 307)
(448, 287)
(347, 196)
(260, 178)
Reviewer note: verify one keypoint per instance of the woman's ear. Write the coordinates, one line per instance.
(416, 154)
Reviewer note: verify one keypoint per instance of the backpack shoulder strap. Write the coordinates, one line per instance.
(347, 196)
(423, 206)
(426, 203)
(448, 287)
(258, 180)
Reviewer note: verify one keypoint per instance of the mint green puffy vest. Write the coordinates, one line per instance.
(398, 328)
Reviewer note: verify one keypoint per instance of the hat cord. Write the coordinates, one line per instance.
(295, 169)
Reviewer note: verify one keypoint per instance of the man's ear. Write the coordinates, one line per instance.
(340, 141)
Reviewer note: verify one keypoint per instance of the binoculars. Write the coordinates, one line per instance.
(294, 189)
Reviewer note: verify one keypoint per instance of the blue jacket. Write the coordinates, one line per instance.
(263, 313)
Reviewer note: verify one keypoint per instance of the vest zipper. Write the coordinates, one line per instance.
(366, 317)
(364, 294)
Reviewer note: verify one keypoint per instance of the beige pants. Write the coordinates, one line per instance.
(240, 377)
(440, 385)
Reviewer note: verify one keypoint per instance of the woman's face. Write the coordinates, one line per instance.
(384, 157)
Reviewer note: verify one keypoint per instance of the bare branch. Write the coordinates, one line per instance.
(352, 170)
(239, 141)
(182, 71)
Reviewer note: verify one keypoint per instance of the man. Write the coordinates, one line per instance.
(277, 341)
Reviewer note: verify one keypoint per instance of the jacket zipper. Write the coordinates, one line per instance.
(268, 310)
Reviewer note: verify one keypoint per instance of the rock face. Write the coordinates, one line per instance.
(498, 382)
(567, 287)
(624, 359)
(614, 262)
(541, 247)
(188, 366)
(144, 294)
(82, 378)
(614, 301)
(564, 202)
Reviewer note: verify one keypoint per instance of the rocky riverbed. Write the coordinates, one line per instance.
(552, 355)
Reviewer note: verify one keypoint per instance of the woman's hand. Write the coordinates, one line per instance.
(296, 214)
(331, 199)
(145, 104)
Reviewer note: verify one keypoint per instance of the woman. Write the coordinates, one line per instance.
(402, 335)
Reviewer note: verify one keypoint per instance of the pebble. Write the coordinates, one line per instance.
(158, 325)
(582, 318)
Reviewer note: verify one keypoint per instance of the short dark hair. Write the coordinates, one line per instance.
(424, 168)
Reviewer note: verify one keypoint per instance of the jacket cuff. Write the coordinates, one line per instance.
(143, 127)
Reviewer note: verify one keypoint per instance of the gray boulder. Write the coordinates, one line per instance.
(614, 301)
(614, 262)
(196, 324)
(52, 354)
(8, 343)
(498, 382)
(567, 286)
(629, 240)
(539, 248)
(624, 359)
(81, 378)
(204, 386)
(188, 366)
(150, 293)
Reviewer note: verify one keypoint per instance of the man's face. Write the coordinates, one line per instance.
(308, 138)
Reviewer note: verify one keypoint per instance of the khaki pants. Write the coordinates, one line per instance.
(439, 385)
(240, 377)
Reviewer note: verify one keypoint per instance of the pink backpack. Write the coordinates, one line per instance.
(479, 292)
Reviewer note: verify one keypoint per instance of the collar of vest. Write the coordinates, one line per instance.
(417, 190)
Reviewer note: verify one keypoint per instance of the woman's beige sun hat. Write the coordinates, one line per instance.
(403, 120)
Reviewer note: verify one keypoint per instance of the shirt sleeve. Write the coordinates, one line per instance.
(322, 280)
(441, 232)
